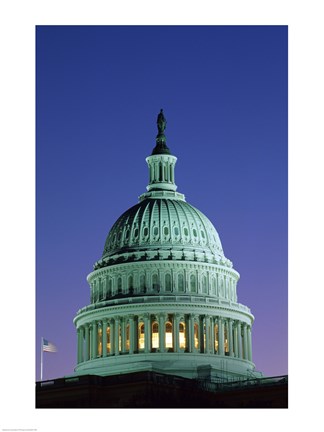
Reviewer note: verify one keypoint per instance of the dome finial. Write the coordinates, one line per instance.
(161, 147)
(161, 122)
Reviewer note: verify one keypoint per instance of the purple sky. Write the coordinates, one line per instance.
(224, 94)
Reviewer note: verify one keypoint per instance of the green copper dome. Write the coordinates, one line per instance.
(163, 224)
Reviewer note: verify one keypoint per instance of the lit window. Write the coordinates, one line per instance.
(100, 342)
(182, 335)
(141, 336)
(196, 336)
(168, 335)
(155, 335)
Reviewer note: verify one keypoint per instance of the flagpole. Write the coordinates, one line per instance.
(41, 377)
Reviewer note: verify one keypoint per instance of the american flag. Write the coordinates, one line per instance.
(48, 346)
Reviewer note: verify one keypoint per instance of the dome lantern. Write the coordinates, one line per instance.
(161, 163)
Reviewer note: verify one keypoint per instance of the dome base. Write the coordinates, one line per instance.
(188, 365)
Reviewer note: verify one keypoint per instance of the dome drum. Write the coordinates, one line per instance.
(149, 334)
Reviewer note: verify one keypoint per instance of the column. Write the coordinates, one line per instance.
(207, 334)
(249, 336)
(123, 334)
(104, 337)
(201, 333)
(245, 341)
(221, 336)
(239, 338)
(147, 334)
(190, 333)
(87, 342)
(112, 336)
(79, 356)
(162, 332)
(175, 332)
(235, 340)
(94, 339)
(116, 334)
(212, 333)
(230, 337)
(131, 334)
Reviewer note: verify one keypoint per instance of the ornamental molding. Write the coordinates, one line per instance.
(119, 311)
(124, 268)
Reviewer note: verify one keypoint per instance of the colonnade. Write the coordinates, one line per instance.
(162, 332)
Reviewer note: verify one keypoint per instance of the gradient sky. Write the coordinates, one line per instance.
(224, 94)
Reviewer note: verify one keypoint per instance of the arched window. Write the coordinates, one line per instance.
(142, 283)
(193, 284)
(204, 285)
(130, 284)
(155, 283)
(155, 334)
(221, 293)
(213, 284)
(168, 335)
(119, 285)
(168, 282)
(110, 284)
(141, 336)
(180, 282)
(182, 335)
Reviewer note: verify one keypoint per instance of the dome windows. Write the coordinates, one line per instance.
(135, 233)
(185, 231)
(176, 231)
(180, 283)
(168, 282)
(166, 231)
(193, 284)
(155, 231)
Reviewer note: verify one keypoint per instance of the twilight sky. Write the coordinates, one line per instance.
(224, 94)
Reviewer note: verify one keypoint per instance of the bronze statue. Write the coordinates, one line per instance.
(161, 122)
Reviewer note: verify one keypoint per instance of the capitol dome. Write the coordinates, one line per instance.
(169, 226)
(163, 295)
